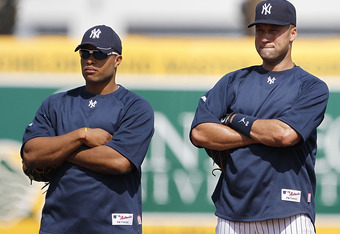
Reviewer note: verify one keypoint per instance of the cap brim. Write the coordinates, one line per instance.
(80, 46)
(104, 50)
(77, 48)
(266, 21)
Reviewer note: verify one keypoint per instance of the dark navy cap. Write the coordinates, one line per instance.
(278, 12)
(103, 38)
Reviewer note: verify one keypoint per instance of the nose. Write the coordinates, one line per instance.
(265, 39)
(266, 36)
(90, 60)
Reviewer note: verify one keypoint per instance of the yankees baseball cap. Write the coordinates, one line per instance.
(103, 38)
(278, 12)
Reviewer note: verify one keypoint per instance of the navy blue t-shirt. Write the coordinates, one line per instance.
(262, 182)
(83, 201)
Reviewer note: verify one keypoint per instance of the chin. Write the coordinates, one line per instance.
(269, 58)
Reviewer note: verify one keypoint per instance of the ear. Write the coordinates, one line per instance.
(293, 33)
(118, 60)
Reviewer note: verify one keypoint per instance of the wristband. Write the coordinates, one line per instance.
(85, 133)
(242, 123)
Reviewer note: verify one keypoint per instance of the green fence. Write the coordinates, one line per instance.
(176, 176)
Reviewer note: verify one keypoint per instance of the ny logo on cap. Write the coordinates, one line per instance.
(266, 9)
(95, 33)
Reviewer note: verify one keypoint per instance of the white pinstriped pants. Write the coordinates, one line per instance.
(297, 224)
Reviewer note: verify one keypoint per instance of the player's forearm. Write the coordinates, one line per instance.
(218, 137)
(41, 152)
(270, 132)
(102, 159)
(275, 133)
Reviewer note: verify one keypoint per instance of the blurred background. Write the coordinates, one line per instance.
(173, 52)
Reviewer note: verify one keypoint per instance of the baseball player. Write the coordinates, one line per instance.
(97, 137)
(266, 118)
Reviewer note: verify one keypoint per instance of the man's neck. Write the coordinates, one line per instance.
(98, 89)
(278, 67)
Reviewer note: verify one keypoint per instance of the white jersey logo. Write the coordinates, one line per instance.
(92, 103)
(266, 9)
(271, 80)
(95, 33)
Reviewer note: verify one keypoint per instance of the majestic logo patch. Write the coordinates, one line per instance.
(290, 195)
(266, 9)
(95, 33)
(92, 103)
(122, 219)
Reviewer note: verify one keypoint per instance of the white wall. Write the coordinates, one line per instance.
(75, 16)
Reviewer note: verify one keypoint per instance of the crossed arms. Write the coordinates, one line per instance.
(270, 132)
(41, 152)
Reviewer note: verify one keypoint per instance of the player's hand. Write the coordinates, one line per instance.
(96, 136)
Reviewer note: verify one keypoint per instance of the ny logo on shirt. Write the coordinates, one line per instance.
(92, 103)
(271, 80)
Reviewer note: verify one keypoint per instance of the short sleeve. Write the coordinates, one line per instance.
(213, 105)
(41, 124)
(133, 136)
(308, 111)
